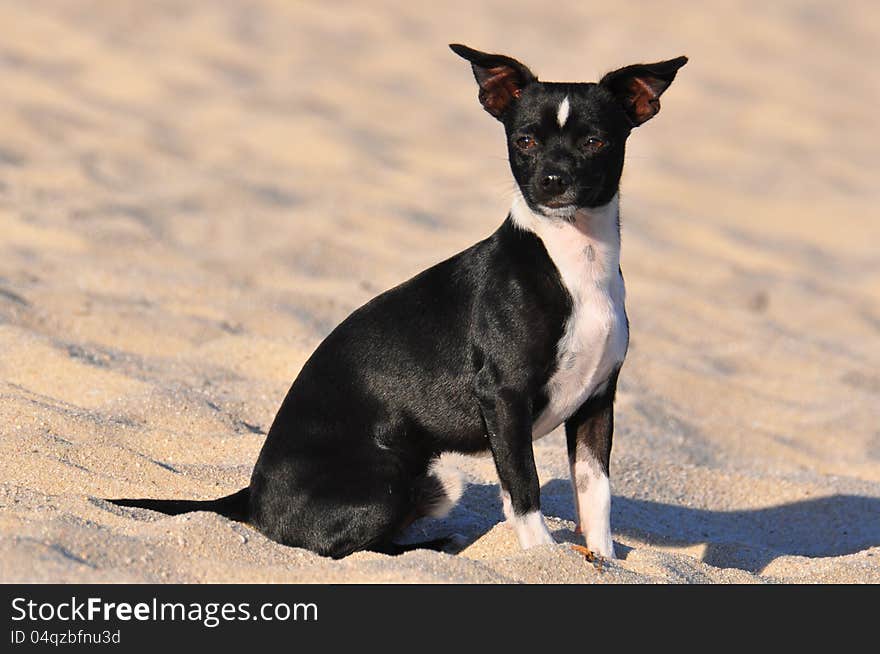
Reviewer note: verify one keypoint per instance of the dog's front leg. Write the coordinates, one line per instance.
(508, 420)
(588, 433)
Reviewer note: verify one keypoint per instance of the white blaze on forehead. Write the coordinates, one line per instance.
(562, 112)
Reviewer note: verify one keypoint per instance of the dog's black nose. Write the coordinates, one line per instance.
(554, 184)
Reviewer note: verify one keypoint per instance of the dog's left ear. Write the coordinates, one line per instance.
(639, 87)
(501, 79)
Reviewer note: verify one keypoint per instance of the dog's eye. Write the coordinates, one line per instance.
(526, 142)
(592, 144)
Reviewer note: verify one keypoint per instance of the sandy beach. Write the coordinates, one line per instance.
(192, 195)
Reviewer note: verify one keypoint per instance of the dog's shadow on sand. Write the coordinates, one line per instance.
(747, 539)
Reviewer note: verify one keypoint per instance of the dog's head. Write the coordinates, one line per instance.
(566, 141)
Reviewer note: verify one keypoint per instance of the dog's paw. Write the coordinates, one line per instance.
(531, 530)
(601, 544)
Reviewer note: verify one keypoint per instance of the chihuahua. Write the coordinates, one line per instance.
(484, 352)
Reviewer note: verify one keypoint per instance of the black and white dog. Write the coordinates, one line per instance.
(486, 351)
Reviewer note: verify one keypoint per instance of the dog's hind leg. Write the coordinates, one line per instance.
(338, 503)
(434, 495)
(438, 491)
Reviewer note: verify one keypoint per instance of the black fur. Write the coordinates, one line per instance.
(455, 359)
(592, 427)
(233, 506)
(401, 380)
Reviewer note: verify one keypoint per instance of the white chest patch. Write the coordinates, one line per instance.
(586, 253)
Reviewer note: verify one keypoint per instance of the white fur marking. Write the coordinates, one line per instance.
(562, 112)
(593, 500)
(506, 504)
(531, 530)
(586, 252)
(450, 487)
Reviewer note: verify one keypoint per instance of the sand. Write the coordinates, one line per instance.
(193, 194)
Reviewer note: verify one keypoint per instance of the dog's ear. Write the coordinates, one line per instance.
(638, 88)
(501, 79)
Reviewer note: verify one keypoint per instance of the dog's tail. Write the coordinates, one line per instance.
(234, 507)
